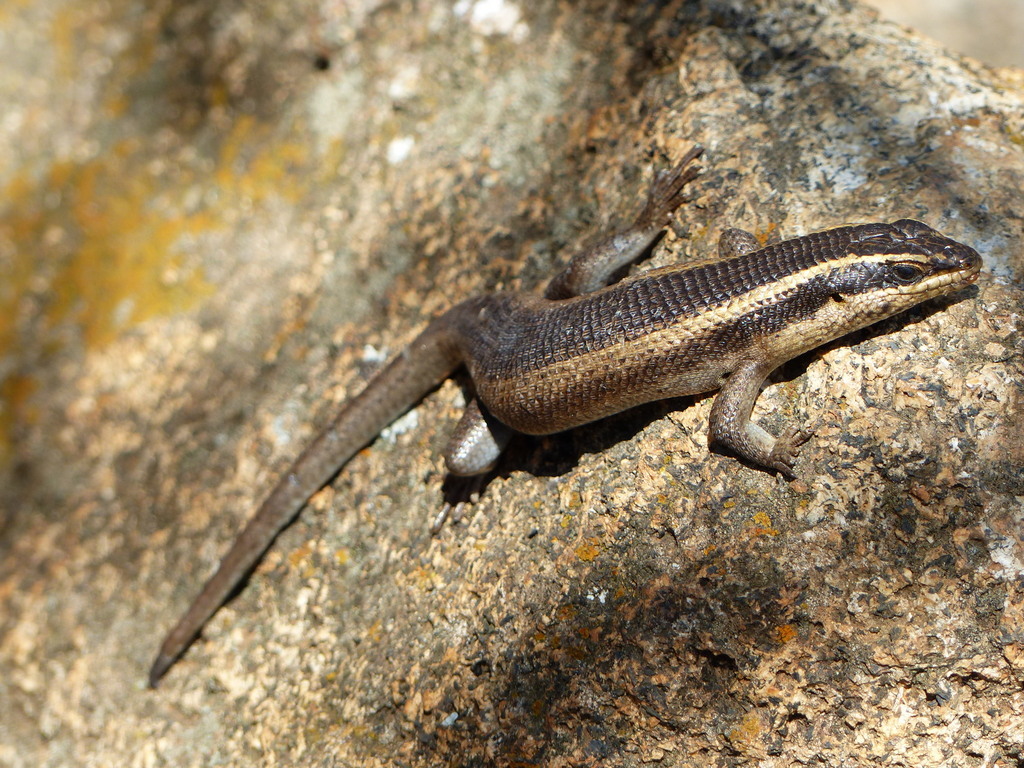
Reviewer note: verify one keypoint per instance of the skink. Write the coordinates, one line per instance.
(586, 350)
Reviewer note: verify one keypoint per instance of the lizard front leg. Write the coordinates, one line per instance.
(731, 427)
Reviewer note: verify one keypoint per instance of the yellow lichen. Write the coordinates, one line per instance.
(588, 551)
(104, 244)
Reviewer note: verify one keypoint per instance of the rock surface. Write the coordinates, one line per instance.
(218, 219)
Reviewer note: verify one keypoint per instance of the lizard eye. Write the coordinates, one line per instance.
(906, 273)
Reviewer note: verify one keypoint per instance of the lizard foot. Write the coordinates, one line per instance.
(786, 449)
(666, 191)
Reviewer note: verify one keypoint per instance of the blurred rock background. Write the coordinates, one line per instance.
(989, 30)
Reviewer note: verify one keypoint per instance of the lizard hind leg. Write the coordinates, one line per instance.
(477, 442)
(666, 192)
(473, 449)
(593, 268)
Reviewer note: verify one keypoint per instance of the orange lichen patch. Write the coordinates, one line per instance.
(746, 731)
(375, 632)
(591, 634)
(17, 273)
(567, 612)
(79, 30)
(299, 555)
(15, 392)
(66, 34)
(588, 551)
(578, 653)
(761, 525)
(785, 632)
(425, 579)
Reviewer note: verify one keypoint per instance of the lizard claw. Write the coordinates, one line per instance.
(666, 192)
(786, 449)
(448, 511)
(461, 493)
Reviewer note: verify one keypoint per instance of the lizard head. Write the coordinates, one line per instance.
(908, 258)
(895, 266)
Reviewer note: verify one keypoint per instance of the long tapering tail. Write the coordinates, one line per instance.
(397, 387)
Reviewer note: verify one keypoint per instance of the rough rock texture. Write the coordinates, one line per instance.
(218, 218)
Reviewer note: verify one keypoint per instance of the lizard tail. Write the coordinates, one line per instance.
(397, 387)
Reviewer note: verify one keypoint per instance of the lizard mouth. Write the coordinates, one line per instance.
(962, 263)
